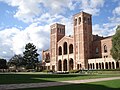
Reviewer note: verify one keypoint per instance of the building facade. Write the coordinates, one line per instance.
(83, 50)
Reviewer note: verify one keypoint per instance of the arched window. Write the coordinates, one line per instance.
(79, 20)
(75, 22)
(60, 50)
(105, 48)
(65, 47)
(71, 48)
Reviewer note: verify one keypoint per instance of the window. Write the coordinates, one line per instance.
(65, 47)
(60, 30)
(71, 48)
(84, 20)
(79, 20)
(47, 57)
(60, 50)
(97, 51)
(105, 48)
(75, 22)
(63, 31)
(88, 21)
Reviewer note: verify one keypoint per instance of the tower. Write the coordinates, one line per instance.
(82, 38)
(57, 32)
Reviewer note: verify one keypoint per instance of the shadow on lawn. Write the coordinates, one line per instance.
(31, 78)
(77, 87)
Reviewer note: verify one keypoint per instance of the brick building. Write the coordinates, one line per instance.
(83, 50)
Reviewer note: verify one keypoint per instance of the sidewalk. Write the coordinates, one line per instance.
(47, 84)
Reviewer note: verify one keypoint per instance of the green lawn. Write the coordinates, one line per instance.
(15, 78)
(104, 85)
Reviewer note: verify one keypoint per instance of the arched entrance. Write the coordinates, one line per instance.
(96, 65)
(90, 66)
(99, 65)
(59, 65)
(113, 65)
(117, 64)
(71, 64)
(106, 65)
(109, 65)
(65, 65)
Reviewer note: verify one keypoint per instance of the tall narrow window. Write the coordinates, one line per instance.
(71, 48)
(97, 51)
(88, 20)
(84, 20)
(79, 20)
(65, 48)
(75, 22)
(60, 50)
(105, 48)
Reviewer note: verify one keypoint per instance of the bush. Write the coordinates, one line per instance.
(74, 71)
(47, 71)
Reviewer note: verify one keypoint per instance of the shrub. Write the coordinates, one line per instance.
(74, 71)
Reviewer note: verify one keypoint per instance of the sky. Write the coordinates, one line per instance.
(24, 21)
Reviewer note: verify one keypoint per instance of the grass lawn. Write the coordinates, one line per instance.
(104, 85)
(15, 78)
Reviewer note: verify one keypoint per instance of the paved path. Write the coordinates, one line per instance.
(47, 84)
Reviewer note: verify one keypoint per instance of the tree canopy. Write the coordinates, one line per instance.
(16, 60)
(3, 64)
(115, 51)
(30, 56)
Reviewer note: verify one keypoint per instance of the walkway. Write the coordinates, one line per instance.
(47, 84)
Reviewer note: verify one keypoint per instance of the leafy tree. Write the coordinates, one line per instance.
(115, 51)
(3, 64)
(30, 56)
(16, 60)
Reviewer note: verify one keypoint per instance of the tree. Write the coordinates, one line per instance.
(115, 51)
(30, 56)
(3, 64)
(16, 60)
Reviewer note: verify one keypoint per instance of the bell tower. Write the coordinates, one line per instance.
(57, 32)
(82, 38)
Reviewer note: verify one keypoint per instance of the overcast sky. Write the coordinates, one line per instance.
(23, 21)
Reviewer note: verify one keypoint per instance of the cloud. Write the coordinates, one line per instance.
(109, 28)
(6, 36)
(91, 6)
(103, 30)
(36, 33)
(116, 11)
(28, 11)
